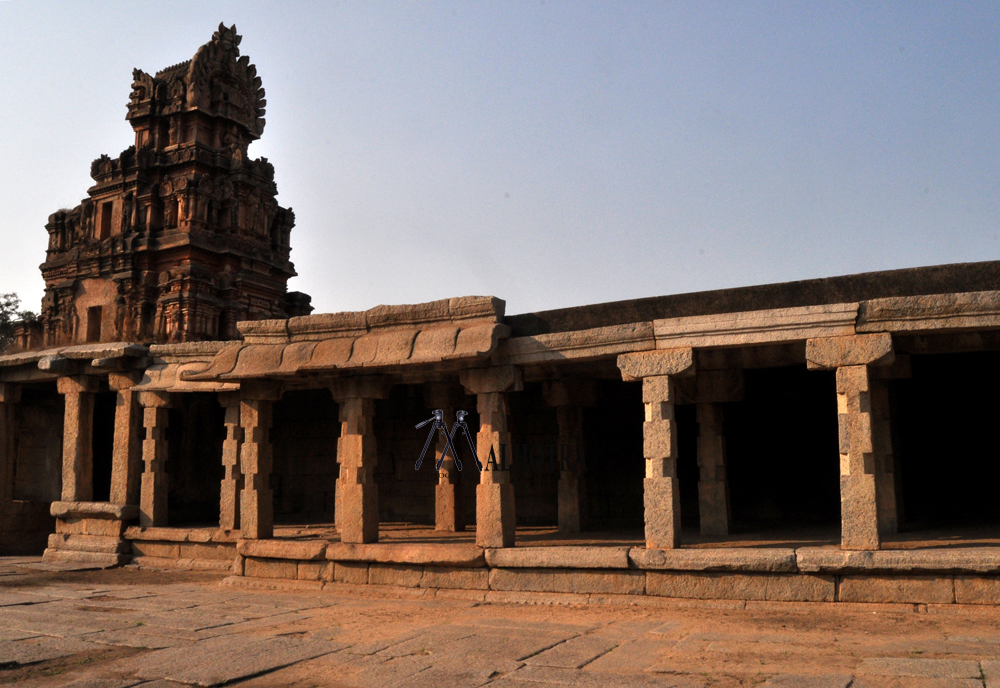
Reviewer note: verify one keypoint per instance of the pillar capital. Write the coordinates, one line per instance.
(569, 392)
(495, 379)
(9, 393)
(154, 399)
(642, 364)
(77, 384)
(361, 387)
(858, 349)
(119, 381)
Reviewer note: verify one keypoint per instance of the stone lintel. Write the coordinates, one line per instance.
(676, 362)
(78, 384)
(495, 379)
(105, 510)
(570, 392)
(860, 349)
(361, 387)
(573, 557)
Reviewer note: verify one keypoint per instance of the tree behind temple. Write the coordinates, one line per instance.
(9, 314)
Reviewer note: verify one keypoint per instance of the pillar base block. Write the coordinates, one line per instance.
(858, 513)
(256, 517)
(495, 515)
(359, 521)
(447, 509)
(713, 508)
(661, 498)
(569, 504)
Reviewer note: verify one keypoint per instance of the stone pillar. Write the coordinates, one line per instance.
(357, 494)
(126, 457)
(661, 494)
(232, 480)
(713, 487)
(256, 460)
(153, 490)
(10, 395)
(448, 511)
(495, 516)
(711, 388)
(78, 428)
(569, 397)
(853, 357)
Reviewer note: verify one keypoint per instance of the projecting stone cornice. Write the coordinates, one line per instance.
(451, 330)
(756, 327)
(961, 311)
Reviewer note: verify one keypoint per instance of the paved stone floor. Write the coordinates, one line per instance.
(155, 629)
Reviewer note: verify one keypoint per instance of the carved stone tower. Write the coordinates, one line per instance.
(181, 236)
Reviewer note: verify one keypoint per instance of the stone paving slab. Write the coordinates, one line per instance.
(921, 668)
(574, 653)
(42, 620)
(110, 683)
(912, 682)
(40, 649)
(12, 599)
(217, 661)
(538, 676)
(129, 638)
(630, 657)
(795, 681)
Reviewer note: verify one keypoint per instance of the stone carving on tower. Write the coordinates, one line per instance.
(181, 236)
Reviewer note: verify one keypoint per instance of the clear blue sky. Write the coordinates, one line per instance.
(550, 153)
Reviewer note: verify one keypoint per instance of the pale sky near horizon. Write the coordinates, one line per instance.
(551, 153)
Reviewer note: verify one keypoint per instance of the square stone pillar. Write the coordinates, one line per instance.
(448, 508)
(853, 357)
(495, 515)
(713, 487)
(256, 460)
(661, 494)
(357, 453)
(569, 397)
(126, 456)
(78, 430)
(232, 480)
(10, 395)
(153, 489)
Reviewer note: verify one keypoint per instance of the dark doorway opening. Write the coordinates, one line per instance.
(103, 443)
(783, 452)
(195, 435)
(304, 442)
(615, 466)
(946, 452)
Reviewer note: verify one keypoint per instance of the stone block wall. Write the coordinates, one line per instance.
(304, 441)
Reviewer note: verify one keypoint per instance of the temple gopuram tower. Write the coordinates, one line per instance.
(181, 236)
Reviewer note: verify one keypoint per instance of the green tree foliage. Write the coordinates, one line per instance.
(9, 314)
